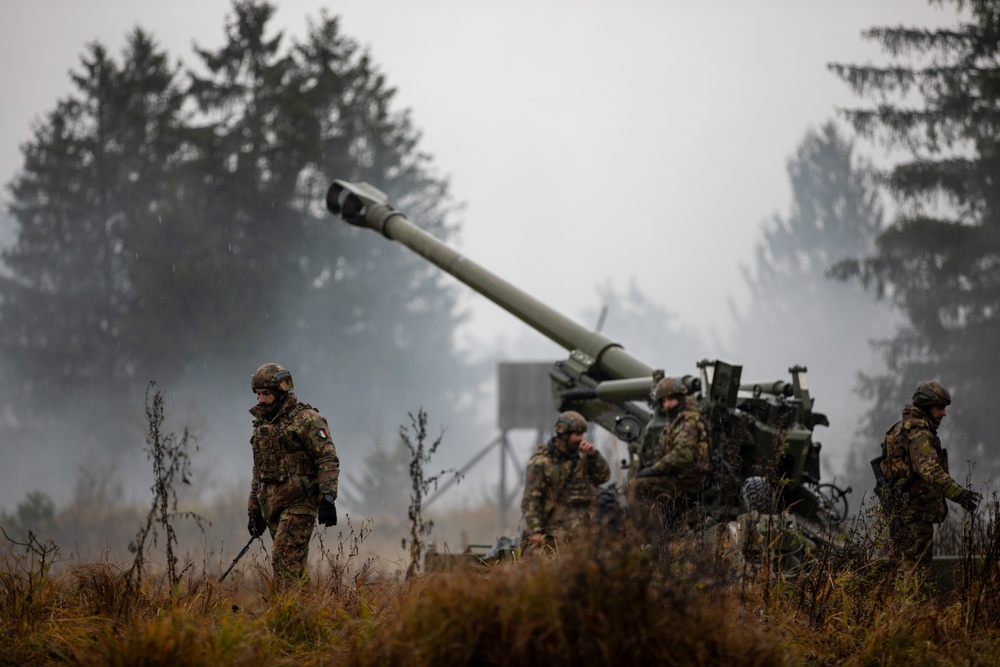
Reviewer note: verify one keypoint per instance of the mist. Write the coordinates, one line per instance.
(665, 263)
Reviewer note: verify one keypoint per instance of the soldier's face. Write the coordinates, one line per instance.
(938, 412)
(264, 396)
(573, 441)
(669, 403)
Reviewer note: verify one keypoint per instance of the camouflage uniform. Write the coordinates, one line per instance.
(679, 462)
(915, 469)
(294, 464)
(560, 490)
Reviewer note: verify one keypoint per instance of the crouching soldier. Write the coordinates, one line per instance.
(560, 490)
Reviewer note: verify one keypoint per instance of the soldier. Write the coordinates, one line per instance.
(295, 472)
(915, 480)
(675, 470)
(560, 490)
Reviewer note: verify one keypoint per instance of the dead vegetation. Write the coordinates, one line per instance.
(595, 603)
(682, 599)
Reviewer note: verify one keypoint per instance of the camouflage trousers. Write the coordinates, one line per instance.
(649, 490)
(562, 530)
(660, 503)
(291, 529)
(546, 546)
(911, 545)
(563, 535)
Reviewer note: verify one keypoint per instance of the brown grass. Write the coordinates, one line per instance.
(605, 601)
(636, 597)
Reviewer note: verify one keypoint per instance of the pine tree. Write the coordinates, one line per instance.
(383, 483)
(174, 230)
(797, 314)
(366, 292)
(938, 102)
(251, 153)
(94, 174)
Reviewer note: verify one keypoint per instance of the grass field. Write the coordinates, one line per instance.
(104, 582)
(679, 601)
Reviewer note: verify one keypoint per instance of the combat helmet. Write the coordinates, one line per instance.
(930, 393)
(669, 386)
(272, 376)
(570, 421)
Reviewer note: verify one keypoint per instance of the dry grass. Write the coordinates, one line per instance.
(631, 598)
(603, 602)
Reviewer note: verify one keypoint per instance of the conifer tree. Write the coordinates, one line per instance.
(797, 314)
(93, 177)
(283, 122)
(937, 101)
(173, 228)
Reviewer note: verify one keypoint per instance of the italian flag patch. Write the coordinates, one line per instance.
(323, 434)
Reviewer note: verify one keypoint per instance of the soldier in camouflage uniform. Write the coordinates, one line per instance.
(560, 486)
(915, 480)
(295, 472)
(674, 472)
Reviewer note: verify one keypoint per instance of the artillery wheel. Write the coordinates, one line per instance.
(756, 495)
(833, 502)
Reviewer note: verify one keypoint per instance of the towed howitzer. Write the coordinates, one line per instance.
(758, 428)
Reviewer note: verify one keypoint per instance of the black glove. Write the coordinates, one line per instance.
(969, 500)
(256, 526)
(327, 513)
(647, 472)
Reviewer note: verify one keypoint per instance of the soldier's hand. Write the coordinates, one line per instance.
(256, 526)
(969, 500)
(327, 513)
(588, 448)
(536, 539)
(646, 472)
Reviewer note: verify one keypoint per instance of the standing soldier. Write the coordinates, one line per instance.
(676, 469)
(560, 489)
(295, 471)
(912, 480)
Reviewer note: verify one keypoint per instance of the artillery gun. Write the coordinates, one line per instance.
(760, 430)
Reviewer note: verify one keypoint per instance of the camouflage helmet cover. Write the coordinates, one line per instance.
(930, 393)
(272, 376)
(669, 386)
(570, 422)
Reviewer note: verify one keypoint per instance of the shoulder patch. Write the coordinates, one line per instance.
(322, 433)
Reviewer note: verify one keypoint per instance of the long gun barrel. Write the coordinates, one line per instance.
(756, 423)
(363, 205)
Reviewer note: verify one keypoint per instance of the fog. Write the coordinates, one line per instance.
(596, 147)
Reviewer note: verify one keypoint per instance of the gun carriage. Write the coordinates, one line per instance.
(760, 430)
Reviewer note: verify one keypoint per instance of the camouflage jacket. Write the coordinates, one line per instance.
(560, 489)
(294, 459)
(916, 468)
(682, 451)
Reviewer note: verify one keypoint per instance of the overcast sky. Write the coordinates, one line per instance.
(589, 140)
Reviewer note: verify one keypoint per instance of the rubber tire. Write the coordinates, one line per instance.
(755, 495)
